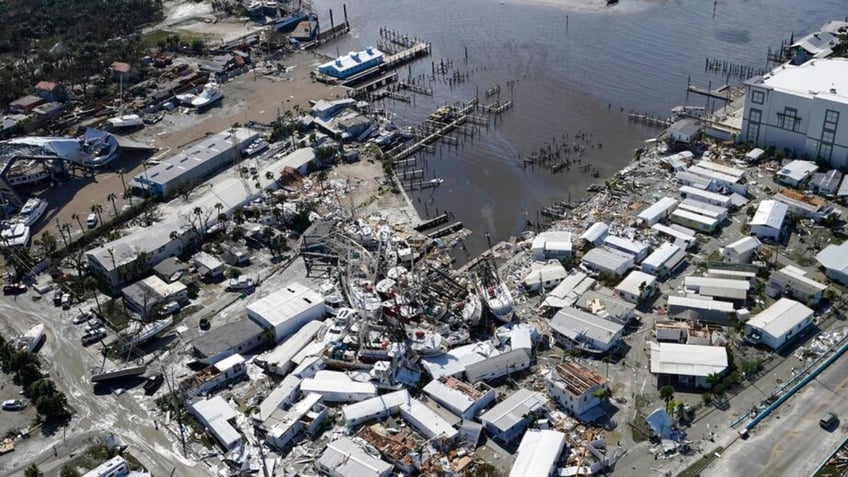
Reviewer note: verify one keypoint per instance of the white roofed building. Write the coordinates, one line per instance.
(306, 416)
(636, 286)
(700, 309)
(354, 62)
(538, 454)
(722, 288)
(585, 331)
(595, 233)
(551, 245)
(834, 260)
(663, 260)
(794, 283)
(705, 196)
(544, 275)
(741, 250)
(508, 418)
(427, 422)
(602, 260)
(569, 290)
(687, 364)
(637, 249)
(796, 173)
(768, 219)
(778, 324)
(287, 309)
(346, 458)
(703, 223)
(494, 367)
(336, 386)
(657, 211)
(463, 399)
(375, 408)
(798, 108)
(216, 415)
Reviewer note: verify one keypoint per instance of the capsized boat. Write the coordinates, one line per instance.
(30, 340)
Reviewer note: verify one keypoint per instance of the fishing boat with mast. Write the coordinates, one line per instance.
(493, 291)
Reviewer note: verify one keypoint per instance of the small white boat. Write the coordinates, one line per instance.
(426, 343)
(15, 235)
(32, 210)
(138, 334)
(126, 121)
(30, 340)
(211, 93)
(186, 99)
(255, 147)
(472, 309)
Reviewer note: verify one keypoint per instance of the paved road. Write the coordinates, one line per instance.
(791, 441)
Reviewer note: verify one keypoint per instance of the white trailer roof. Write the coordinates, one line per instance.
(781, 317)
(687, 360)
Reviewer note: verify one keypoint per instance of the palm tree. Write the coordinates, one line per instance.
(123, 183)
(98, 210)
(667, 395)
(67, 229)
(219, 207)
(79, 222)
(113, 199)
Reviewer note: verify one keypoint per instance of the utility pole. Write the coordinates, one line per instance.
(168, 379)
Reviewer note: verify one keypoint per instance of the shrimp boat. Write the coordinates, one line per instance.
(494, 292)
(31, 339)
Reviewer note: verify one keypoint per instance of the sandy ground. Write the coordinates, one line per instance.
(249, 97)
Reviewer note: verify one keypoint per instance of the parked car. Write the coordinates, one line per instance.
(82, 317)
(14, 405)
(91, 220)
(57, 297)
(170, 308)
(66, 301)
(241, 283)
(93, 336)
(828, 421)
(93, 324)
(14, 288)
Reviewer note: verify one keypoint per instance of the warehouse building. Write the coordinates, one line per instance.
(238, 337)
(834, 260)
(190, 167)
(286, 310)
(778, 323)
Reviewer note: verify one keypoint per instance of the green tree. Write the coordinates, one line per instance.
(113, 199)
(69, 470)
(33, 471)
(667, 395)
(79, 222)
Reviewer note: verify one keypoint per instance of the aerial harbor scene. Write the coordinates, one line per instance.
(490, 238)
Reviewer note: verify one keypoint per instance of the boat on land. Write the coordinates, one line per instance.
(126, 121)
(493, 291)
(117, 373)
(211, 93)
(32, 210)
(15, 234)
(31, 339)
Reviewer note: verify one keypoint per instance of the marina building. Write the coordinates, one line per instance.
(722, 288)
(636, 286)
(190, 167)
(834, 260)
(768, 219)
(741, 250)
(575, 388)
(344, 457)
(352, 63)
(508, 419)
(663, 260)
(778, 323)
(593, 334)
(657, 211)
(799, 108)
(687, 364)
(463, 399)
(538, 453)
(794, 282)
(595, 233)
(602, 260)
(286, 310)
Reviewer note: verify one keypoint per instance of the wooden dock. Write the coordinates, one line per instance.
(651, 120)
(722, 92)
(415, 51)
(415, 88)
